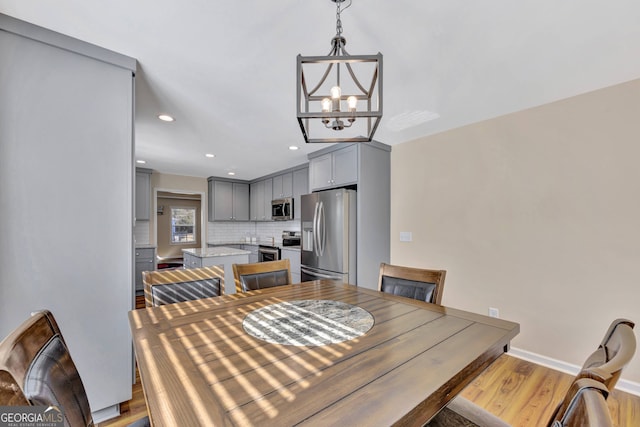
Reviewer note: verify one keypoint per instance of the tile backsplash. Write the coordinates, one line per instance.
(141, 233)
(221, 232)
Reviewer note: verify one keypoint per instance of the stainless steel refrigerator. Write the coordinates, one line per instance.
(328, 242)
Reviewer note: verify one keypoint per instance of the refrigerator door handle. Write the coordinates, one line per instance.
(316, 249)
(321, 223)
(314, 273)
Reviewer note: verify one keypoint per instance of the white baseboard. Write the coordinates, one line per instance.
(105, 414)
(622, 385)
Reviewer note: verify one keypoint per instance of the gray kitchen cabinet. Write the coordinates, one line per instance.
(260, 196)
(268, 197)
(143, 194)
(300, 187)
(283, 185)
(334, 169)
(256, 200)
(191, 261)
(145, 261)
(293, 255)
(228, 201)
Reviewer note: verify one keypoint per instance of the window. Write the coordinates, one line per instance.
(183, 225)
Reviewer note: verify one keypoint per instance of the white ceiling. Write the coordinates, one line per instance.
(226, 70)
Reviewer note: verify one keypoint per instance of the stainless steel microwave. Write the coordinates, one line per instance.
(282, 209)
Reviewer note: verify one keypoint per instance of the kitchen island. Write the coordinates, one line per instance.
(219, 255)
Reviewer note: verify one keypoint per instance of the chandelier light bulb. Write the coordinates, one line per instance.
(336, 92)
(352, 101)
(326, 105)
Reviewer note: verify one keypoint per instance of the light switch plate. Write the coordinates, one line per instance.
(405, 236)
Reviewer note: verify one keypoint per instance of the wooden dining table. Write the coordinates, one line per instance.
(383, 360)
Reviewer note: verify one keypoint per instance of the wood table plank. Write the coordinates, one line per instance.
(199, 367)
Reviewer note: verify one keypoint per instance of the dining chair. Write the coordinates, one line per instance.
(604, 366)
(585, 405)
(36, 369)
(416, 283)
(262, 275)
(184, 284)
(615, 351)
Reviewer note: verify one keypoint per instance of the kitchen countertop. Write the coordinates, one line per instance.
(277, 244)
(233, 242)
(215, 252)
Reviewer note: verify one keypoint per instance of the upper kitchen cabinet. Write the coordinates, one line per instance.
(143, 194)
(333, 169)
(260, 196)
(228, 200)
(300, 187)
(283, 185)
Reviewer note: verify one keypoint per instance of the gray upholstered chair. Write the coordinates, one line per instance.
(184, 284)
(36, 369)
(416, 283)
(604, 366)
(262, 275)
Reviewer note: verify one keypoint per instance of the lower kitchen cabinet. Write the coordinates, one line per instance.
(293, 255)
(145, 261)
(191, 261)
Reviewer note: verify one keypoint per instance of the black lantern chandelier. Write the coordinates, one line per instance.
(339, 96)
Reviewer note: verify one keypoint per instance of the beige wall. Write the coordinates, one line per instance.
(536, 213)
(179, 183)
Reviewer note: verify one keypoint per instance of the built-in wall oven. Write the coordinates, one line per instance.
(268, 253)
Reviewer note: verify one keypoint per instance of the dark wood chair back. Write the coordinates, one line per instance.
(584, 405)
(416, 283)
(614, 353)
(36, 369)
(260, 275)
(185, 284)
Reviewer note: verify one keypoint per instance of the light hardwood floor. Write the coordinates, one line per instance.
(521, 393)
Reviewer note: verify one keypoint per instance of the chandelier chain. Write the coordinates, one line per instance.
(339, 9)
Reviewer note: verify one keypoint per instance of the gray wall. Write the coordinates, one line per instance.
(66, 174)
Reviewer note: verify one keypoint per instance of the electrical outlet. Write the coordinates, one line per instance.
(405, 236)
(494, 312)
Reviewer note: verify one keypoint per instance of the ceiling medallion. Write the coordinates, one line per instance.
(333, 104)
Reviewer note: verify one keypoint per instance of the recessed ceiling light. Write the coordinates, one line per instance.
(210, 155)
(166, 118)
(231, 173)
(142, 162)
(293, 147)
